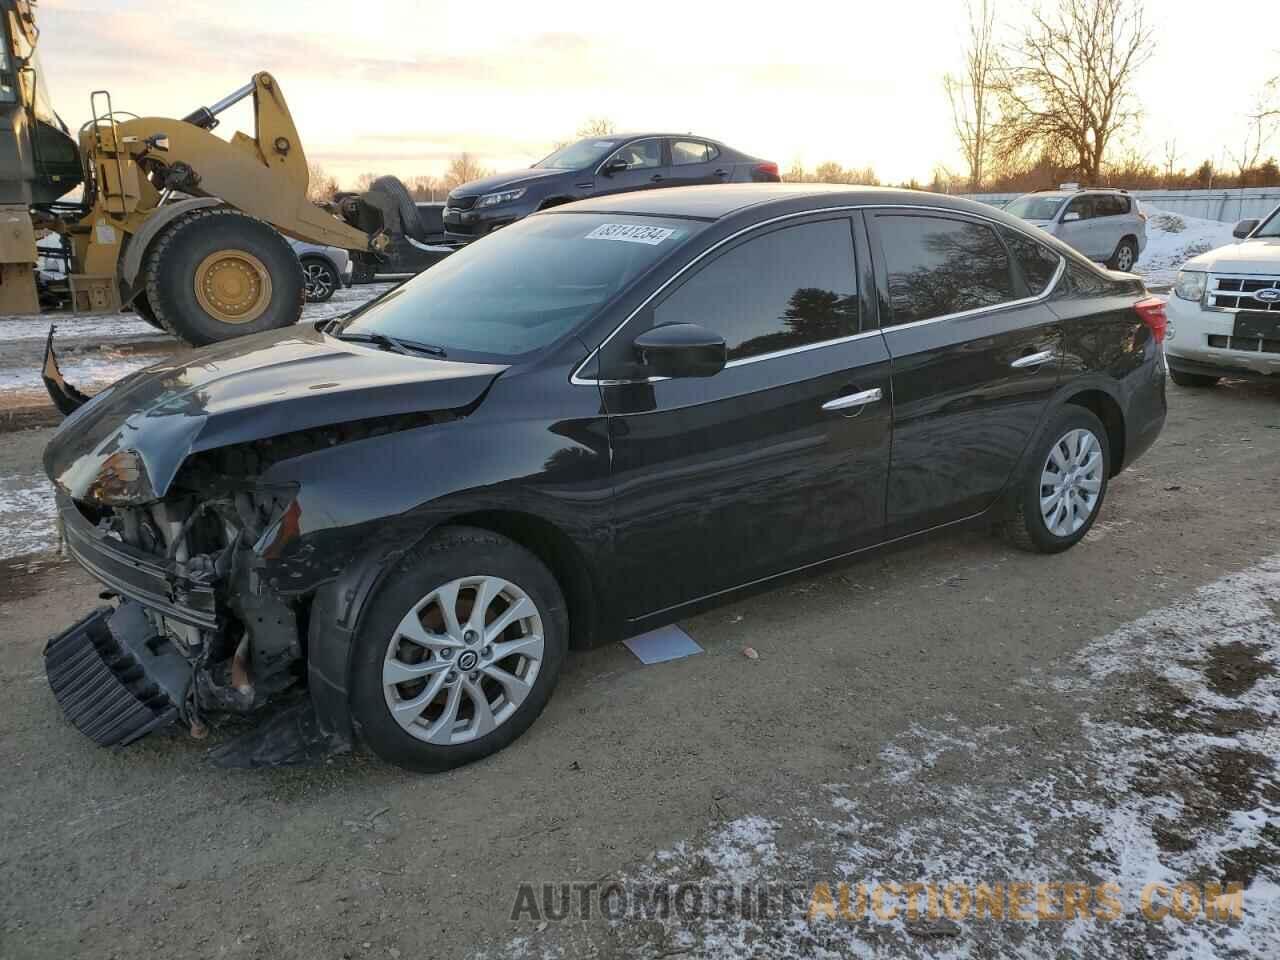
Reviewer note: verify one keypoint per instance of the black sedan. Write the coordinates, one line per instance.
(615, 163)
(604, 418)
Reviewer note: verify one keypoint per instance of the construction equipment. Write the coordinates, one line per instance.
(174, 221)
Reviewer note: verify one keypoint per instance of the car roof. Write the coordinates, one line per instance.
(1075, 193)
(718, 201)
(631, 135)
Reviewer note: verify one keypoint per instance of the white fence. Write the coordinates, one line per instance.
(1225, 205)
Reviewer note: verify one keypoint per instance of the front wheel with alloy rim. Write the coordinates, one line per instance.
(459, 652)
(1059, 497)
(321, 279)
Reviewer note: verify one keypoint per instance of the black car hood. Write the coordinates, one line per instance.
(248, 389)
(508, 181)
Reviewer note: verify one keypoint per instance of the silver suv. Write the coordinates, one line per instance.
(1107, 226)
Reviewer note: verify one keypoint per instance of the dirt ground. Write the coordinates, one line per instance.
(955, 710)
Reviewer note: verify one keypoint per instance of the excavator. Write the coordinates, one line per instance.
(184, 227)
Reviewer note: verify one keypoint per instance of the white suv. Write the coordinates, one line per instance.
(1224, 315)
(1106, 225)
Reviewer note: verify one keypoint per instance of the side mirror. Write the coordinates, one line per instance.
(1069, 217)
(681, 350)
(1244, 228)
(613, 166)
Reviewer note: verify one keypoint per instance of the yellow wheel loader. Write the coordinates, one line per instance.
(180, 224)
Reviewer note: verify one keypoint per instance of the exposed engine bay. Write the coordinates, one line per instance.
(189, 510)
(195, 615)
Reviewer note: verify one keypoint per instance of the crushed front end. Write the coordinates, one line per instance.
(195, 628)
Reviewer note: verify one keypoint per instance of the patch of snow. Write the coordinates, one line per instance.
(27, 515)
(1173, 239)
(87, 373)
(1146, 787)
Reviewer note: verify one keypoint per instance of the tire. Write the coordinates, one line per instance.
(412, 594)
(142, 307)
(1056, 447)
(320, 279)
(216, 273)
(1125, 256)
(410, 223)
(362, 271)
(1192, 379)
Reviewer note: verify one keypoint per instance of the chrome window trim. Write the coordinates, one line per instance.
(575, 378)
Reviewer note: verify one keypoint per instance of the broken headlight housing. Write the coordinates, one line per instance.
(122, 480)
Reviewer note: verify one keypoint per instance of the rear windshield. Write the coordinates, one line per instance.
(1035, 208)
(522, 288)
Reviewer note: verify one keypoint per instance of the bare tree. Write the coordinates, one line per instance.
(1068, 88)
(832, 172)
(597, 127)
(424, 187)
(364, 181)
(320, 185)
(972, 94)
(1262, 124)
(463, 168)
(1170, 160)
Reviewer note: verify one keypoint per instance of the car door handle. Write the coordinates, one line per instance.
(860, 399)
(1034, 359)
(721, 172)
(656, 178)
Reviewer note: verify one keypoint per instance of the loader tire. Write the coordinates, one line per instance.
(410, 222)
(216, 273)
(142, 307)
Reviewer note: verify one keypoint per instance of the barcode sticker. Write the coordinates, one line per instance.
(630, 233)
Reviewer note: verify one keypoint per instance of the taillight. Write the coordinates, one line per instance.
(1151, 311)
(767, 171)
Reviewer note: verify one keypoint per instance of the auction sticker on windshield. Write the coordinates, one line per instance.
(631, 233)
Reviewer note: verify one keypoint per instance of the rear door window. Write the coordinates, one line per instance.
(691, 151)
(938, 266)
(788, 288)
(1038, 263)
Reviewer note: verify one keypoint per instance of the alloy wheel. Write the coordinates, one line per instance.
(1070, 482)
(318, 284)
(463, 660)
(1124, 258)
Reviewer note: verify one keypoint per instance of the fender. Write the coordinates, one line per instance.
(335, 616)
(131, 263)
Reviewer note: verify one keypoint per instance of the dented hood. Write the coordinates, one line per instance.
(248, 389)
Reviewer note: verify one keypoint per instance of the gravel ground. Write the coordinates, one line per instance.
(954, 713)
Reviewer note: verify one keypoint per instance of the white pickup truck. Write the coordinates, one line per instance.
(1224, 315)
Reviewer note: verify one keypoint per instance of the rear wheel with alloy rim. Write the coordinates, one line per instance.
(1125, 257)
(1066, 481)
(320, 279)
(460, 652)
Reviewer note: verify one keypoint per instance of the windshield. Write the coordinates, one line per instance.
(584, 153)
(1032, 207)
(1270, 227)
(525, 286)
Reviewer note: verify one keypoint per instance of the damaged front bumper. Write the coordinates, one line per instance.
(136, 574)
(110, 682)
(150, 661)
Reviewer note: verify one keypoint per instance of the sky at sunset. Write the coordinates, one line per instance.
(399, 87)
